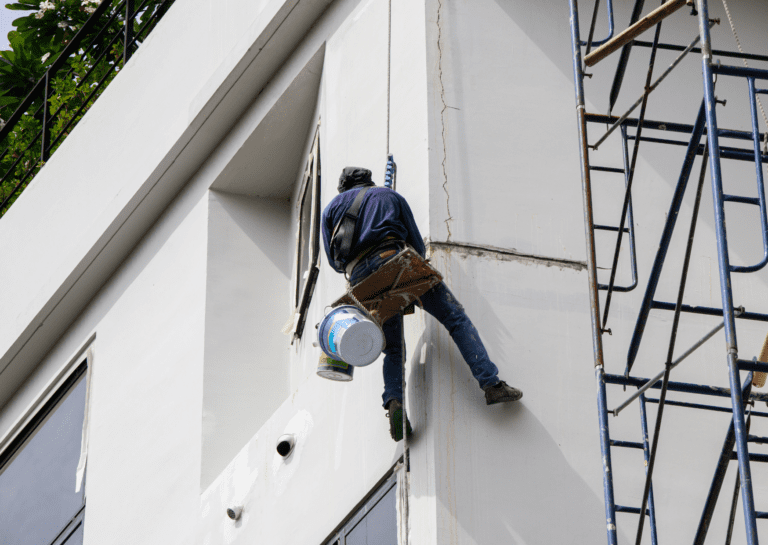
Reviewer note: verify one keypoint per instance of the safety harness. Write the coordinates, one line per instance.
(344, 232)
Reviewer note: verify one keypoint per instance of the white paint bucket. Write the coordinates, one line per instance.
(334, 369)
(348, 335)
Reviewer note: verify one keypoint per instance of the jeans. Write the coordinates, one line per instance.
(440, 303)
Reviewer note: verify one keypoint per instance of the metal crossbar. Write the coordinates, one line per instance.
(702, 138)
(630, 229)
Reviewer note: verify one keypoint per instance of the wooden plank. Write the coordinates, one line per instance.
(634, 31)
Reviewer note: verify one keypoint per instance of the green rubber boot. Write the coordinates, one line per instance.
(395, 415)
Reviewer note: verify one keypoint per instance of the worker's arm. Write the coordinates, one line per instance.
(327, 228)
(414, 236)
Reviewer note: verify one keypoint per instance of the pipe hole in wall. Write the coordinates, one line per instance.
(285, 445)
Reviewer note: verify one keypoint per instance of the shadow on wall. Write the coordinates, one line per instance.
(538, 497)
(272, 246)
(505, 479)
(500, 475)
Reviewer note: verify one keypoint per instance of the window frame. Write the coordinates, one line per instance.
(72, 526)
(38, 419)
(361, 510)
(310, 188)
(15, 445)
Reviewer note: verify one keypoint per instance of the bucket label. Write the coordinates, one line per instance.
(336, 363)
(337, 328)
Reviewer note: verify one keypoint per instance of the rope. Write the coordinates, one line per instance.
(406, 453)
(361, 306)
(389, 67)
(406, 450)
(738, 44)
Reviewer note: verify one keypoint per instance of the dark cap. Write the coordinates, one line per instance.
(354, 176)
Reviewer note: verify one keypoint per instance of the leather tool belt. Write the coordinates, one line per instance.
(392, 245)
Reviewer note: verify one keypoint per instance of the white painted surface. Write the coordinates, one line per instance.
(491, 111)
(134, 451)
(511, 159)
(147, 397)
(151, 130)
(246, 363)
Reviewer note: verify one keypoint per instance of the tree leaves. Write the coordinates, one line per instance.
(39, 38)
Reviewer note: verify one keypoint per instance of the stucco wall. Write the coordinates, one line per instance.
(246, 377)
(132, 153)
(502, 124)
(149, 447)
(343, 447)
(482, 128)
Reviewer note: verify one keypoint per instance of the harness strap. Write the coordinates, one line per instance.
(344, 232)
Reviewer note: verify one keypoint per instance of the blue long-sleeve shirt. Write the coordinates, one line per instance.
(384, 213)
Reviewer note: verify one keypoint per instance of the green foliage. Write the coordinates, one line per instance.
(39, 38)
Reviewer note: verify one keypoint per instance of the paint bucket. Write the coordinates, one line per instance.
(334, 369)
(347, 334)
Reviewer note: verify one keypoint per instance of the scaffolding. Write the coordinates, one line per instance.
(705, 139)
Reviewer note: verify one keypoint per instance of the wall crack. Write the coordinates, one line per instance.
(449, 219)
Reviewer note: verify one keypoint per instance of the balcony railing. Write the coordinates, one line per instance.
(70, 85)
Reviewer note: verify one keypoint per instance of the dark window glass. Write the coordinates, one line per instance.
(308, 247)
(379, 525)
(305, 232)
(38, 502)
(375, 522)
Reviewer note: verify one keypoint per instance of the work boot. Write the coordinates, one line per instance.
(501, 393)
(395, 415)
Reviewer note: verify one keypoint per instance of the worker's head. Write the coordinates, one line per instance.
(354, 177)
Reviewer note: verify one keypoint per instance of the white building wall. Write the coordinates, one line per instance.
(133, 152)
(147, 391)
(502, 123)
(140, 443)
(247, 279)
(482, 128)
(146, 329)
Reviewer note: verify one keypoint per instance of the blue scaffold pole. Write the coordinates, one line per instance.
(589, 225)
(739, 423)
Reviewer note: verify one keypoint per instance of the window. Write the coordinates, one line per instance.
(38, 502)
(308, 246)
(375, 522)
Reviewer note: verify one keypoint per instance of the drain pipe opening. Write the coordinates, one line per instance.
(285, 444)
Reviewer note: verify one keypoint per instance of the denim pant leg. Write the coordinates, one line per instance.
(443, 305)
(393, 359)
(440, 303)
(393, 331)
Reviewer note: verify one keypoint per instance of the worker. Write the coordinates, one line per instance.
(383, 227)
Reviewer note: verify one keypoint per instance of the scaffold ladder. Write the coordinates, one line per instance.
(704, 139)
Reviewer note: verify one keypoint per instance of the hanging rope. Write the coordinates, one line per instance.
(389, 175)
(389, 66)
(738, 44)
(389, 181)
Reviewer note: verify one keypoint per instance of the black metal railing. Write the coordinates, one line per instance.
(69, 87)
